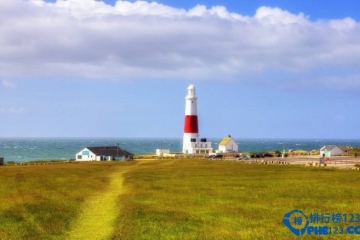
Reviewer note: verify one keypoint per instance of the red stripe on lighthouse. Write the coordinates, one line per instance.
(191, 124)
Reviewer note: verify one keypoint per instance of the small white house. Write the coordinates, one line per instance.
(161, 152)
(333, 150)
(103, 154)
(228, 145)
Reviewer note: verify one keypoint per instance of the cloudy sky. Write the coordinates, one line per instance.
(262, 69)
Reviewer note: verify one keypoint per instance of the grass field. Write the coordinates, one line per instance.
(168, 199)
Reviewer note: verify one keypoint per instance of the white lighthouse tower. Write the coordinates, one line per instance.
(191, 142)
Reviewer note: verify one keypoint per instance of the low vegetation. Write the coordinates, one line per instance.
(41, 201)
(354, 151)
(227, 199)
(169, 199)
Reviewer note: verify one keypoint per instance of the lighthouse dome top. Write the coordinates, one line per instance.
(191, 86)
(191, 91)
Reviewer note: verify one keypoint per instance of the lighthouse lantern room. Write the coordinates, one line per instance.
(191, 142)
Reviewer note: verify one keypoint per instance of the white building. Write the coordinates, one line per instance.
(161, 152)
(197, 146)
(103, 154)
(333, 150)
(228, 145)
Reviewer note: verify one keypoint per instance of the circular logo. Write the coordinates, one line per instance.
(296, 221)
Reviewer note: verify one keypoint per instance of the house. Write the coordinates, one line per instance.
(228, 145)
(103, 154)
(345, 150)
(333, 150)
(162, 152)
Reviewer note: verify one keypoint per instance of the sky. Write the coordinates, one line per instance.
(262, 69)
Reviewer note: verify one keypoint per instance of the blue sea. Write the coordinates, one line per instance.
(30, 149)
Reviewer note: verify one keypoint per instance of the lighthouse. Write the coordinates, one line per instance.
(191, 142)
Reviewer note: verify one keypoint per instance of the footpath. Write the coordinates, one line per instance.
(99, 213)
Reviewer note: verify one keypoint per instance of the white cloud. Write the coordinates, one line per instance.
(5, 108)
(277, 16)
(8, 84)
(17, 110)
(150, 40)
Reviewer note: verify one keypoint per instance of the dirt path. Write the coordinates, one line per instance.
(100, 211)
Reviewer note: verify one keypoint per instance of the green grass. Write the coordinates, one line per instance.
(167, 199)
(227, 200)
(99, 212)
(40, 202)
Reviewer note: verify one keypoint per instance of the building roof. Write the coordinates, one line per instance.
(344, 148)
(109, 151)
(225, 141)
(331, 147)
(328, 147)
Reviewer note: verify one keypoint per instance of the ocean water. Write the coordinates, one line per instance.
(29, 149)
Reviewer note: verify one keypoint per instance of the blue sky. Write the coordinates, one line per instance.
(262, 69)
(321, 9)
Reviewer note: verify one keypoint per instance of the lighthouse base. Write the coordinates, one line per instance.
(193, 145)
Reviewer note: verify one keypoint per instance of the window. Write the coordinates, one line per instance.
(79, 156)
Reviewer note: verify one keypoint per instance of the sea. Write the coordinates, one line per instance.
(33, 149)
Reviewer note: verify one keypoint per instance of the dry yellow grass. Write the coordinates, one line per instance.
(99, 212)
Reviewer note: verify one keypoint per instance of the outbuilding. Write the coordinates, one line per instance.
(228, 145)
(333, 150)
(162, 152)
(103, 154)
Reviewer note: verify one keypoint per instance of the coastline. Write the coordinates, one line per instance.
(342, 162)
(47, 149)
